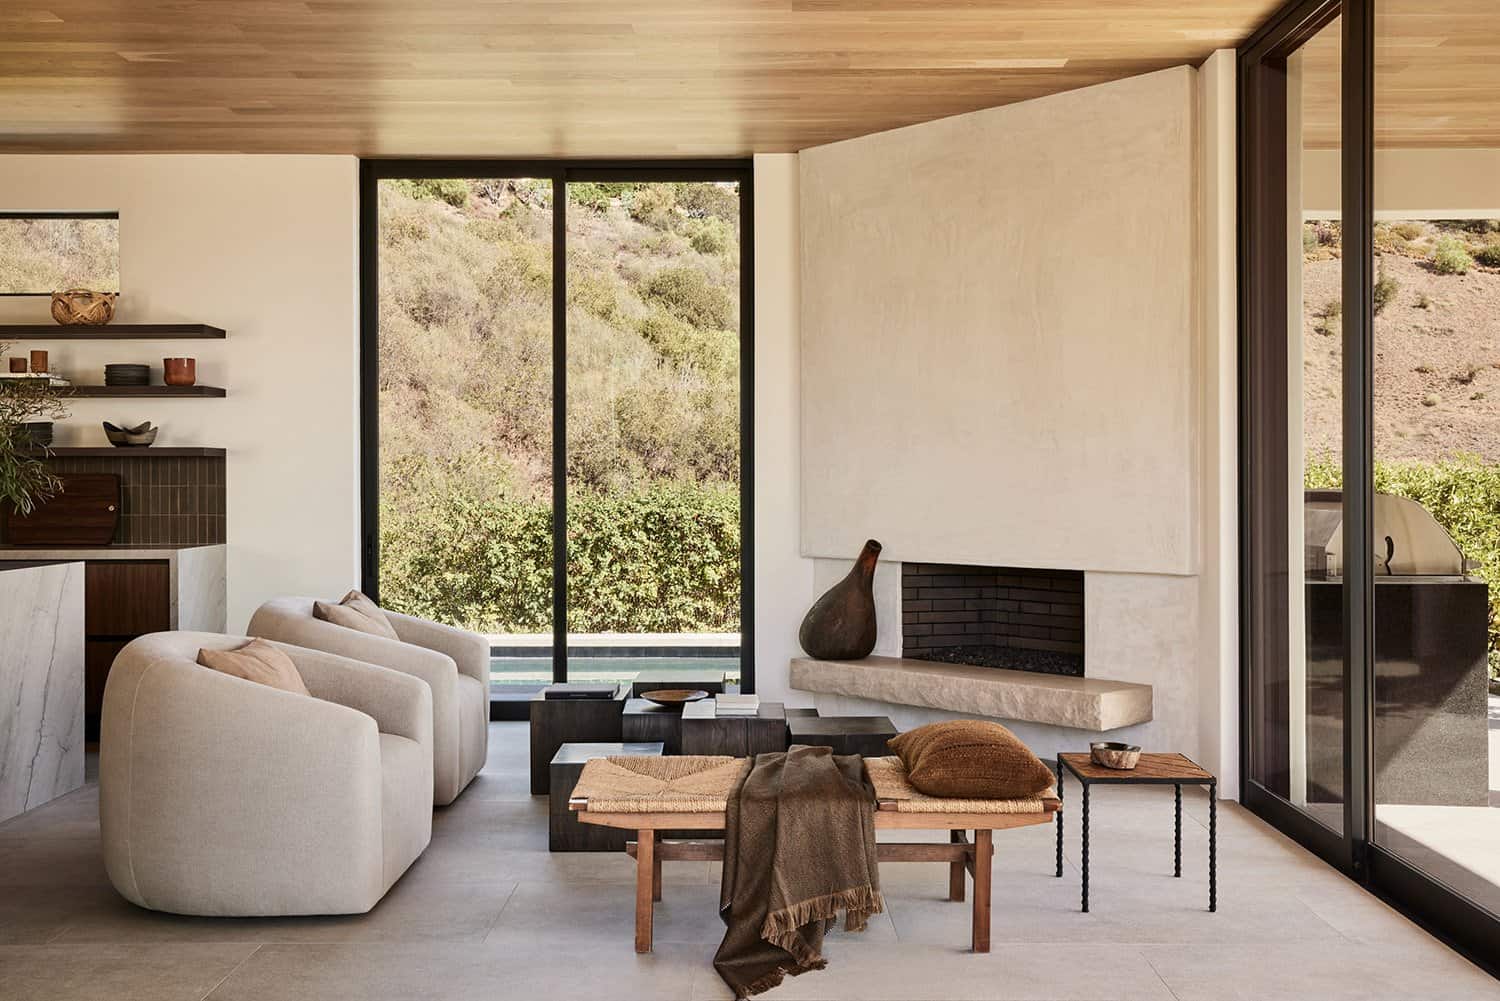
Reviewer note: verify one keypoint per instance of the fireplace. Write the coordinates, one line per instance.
(1005, 617)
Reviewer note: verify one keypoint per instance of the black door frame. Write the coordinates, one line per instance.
(1262, 210)
(560, 173)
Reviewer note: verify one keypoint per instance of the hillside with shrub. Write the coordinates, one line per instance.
(652, 407)
(1437, 376)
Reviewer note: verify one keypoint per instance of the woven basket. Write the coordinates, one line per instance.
(80, 307)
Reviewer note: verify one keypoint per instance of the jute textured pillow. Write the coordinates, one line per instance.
(356, 611)
(970, 759)
(257, 661)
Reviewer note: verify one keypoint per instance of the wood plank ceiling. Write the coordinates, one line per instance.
(1437, 76)
(557, 78)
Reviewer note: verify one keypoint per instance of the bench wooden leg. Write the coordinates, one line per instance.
(647, 873)
(656, 873)
(956, 870)
(984, 851)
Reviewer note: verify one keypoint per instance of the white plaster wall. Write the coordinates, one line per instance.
(783, 579)
(1218, 697)
(265, 247)
(998, 335)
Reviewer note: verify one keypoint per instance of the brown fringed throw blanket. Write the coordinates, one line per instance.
(799, 846)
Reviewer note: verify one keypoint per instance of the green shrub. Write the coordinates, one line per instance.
(1462, 493)
(709, 236)
(665, 559)
(653, 205)
(1451, 257)
(453, 190)
(690, 295)
(1488, 255)
(1408, 230)
(1386, 288)
(597, 195)
(709, 200)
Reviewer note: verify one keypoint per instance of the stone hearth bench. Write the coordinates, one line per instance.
(1095, 704)
(691, 793)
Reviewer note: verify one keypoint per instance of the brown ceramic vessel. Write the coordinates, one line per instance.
(179, 371)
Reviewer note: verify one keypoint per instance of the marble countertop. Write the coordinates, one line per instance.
(51, 554)
(6, 565)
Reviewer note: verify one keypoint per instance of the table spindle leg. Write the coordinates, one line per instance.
(1213, 846)
(1059, 816)
(1177, 833)
(1085, 847)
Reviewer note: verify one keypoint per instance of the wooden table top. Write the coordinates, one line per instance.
(1162, 768)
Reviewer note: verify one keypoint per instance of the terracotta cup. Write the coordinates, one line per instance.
(39, 361)
(179, 371)
(18, 364)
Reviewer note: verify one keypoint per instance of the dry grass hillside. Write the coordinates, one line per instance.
(466, 400)
(1437, 341)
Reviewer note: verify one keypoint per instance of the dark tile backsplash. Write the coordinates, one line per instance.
(165, 502)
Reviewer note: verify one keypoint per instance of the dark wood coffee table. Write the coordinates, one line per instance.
(1175, 770)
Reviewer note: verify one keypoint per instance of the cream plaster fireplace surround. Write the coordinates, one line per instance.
(1000, 363)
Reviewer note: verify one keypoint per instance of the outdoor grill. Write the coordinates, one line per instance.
(1431, 641)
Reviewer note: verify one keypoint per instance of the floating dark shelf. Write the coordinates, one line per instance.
(148, 452)
(131, 392)
(109, 332)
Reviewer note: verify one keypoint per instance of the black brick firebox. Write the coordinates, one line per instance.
(1009, 617)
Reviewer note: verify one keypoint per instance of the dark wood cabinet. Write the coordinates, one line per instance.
(122, 599)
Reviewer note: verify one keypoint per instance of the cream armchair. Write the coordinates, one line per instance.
(454, 663)
(224, 797)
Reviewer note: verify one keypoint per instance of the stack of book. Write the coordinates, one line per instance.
(736, 705)
(52, 380)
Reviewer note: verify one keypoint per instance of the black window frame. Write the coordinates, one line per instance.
(560, 173)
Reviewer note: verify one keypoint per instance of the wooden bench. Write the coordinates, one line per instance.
(965, 858)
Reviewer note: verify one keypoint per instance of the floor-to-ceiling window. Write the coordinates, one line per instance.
(556, 378)
(1370, 463)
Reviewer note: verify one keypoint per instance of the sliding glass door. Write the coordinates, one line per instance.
(1370, 458)
(556, 411)
(1436, 443)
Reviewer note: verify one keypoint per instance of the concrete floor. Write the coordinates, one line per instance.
(489, 914)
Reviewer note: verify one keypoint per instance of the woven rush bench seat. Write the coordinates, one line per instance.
(691, 793)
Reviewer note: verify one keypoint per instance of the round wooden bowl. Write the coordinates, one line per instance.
(1113, 754)
(81, 307)
(675, 698)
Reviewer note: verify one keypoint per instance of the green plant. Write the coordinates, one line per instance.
(453, 190)
(1385, 290)
(24, 477)
(654, 205)
(1451, 257)
(1488, 255)
(661, 559)
(1431, 400)
(690, 295)
(1329, 319)
(1408, 230)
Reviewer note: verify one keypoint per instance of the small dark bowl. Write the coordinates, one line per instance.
(675, 698)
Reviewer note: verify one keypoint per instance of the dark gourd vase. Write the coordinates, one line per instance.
(841, 624)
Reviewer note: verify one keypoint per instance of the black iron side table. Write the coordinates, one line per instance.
(1175, 770)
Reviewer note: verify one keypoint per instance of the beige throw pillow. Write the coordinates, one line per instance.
(970, 759)
(356, 611)
(257, 661)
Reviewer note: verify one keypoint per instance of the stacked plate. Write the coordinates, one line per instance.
(127, 375)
